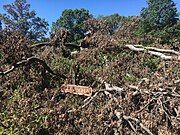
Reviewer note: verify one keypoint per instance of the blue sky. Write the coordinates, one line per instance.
(52, 9)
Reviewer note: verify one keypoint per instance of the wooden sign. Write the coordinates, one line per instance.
(75, 89)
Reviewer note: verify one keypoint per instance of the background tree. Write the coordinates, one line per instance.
(169, 35)
(73, 21)
(158, 14)
(19, 17)
(115, 21)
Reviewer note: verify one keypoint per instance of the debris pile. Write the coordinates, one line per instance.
(108, 88)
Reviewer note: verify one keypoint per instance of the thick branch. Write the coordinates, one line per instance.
(163, 50)
(29, 61)
(156, 51)
(76, 46)
(163, 56)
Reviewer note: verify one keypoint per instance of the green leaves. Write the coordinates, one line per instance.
(115, 21)
(19, 17)
(158, 14)
(160, 20)
(73, 21)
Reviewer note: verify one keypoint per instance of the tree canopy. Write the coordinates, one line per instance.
(115, 21)
(158, 14)
(19, 17)
(73, 21)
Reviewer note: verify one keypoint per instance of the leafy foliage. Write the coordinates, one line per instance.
(115, 21)
(126, 34)
(158, 14)
(169, 35)
(100, 26)
(73, 21)
(44, 109)
(159, 23)
(14, 46)
(145, 88)
(19, 17)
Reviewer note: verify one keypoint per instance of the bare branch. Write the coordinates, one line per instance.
(50, 43)
(155, 51)
(40, 44)
(29, 61)
(163, 50)
(127, 118)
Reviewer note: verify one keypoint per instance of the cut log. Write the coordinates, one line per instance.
(75, 89)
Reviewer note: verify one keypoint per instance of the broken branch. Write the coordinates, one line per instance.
(29, 61)
(155, 51)
(127, 118)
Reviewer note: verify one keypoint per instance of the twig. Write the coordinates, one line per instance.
(163, 93)
(40, 44)
(51, 42)
(145, 106)
(127, 118)
(87, 103)
(154, 93)
(90, 99)
(131, 125)
(165, 111)
(73, 45)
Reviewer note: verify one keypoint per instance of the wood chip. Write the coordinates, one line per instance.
(75, 89)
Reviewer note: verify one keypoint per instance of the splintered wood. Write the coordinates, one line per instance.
(75, 89)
